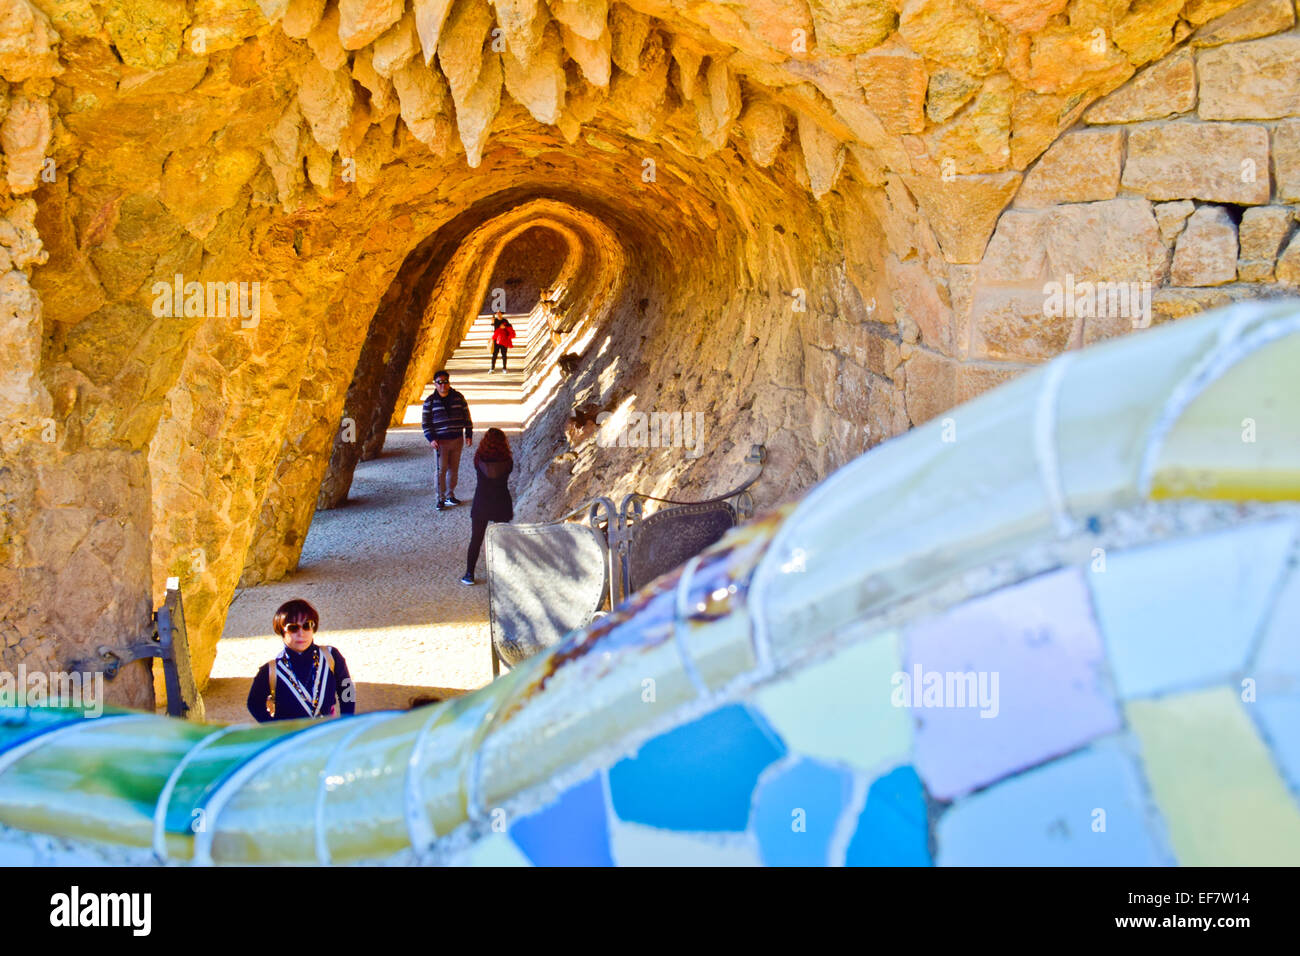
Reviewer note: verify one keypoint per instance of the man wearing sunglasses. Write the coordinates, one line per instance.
(448, 428)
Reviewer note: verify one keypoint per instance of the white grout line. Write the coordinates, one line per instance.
(1230, 348)
(1049, 465)
(418, 829)
(241, 775)
(679, 626)
(322, 784)
(164, 798)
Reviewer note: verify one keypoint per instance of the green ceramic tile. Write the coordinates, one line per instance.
(107, 774)
(840, 709)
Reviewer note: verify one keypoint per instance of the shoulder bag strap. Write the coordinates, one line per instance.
(270, 675)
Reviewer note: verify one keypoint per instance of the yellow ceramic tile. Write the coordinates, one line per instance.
(1110, 399)
(1215, 782)
(1240, 438)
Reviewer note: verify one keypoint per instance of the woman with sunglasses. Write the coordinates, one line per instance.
(305, 678)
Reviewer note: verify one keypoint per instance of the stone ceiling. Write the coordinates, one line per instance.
(764, 174)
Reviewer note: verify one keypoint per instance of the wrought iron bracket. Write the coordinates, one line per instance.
(160, 642)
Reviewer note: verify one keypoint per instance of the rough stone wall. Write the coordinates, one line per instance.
(730, 332)
(388, 343)
(803, 195)
(1185, 182)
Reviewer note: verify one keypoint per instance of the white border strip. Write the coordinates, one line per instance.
(418, 828)
(681, 611)
(328, 769)
(1049, 464)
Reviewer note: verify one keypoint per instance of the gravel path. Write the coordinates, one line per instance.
(383, 570)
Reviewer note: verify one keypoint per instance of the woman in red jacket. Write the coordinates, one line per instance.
(503, 336)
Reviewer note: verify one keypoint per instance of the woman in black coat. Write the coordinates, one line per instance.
(305, 678)
(493, 463)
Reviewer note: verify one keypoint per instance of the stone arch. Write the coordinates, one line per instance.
(525, 271)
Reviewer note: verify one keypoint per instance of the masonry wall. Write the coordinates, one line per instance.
(1182, 186)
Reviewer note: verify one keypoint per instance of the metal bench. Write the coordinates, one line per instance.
(545, 580)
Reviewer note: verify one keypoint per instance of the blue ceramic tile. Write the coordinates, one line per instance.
(892, 830)
(1279, 717)
(796, 813)
(1279, 651)
(637, 845)
(699, 776)
(572, 831)
(1004, 682)
(1181, 615)
(1053, 816)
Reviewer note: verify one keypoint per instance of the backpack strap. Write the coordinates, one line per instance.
(329, 657)
(270, 675)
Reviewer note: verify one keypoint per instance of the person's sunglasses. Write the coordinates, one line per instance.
(294, 628)
(440, 381)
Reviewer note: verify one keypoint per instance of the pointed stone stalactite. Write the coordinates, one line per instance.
(539, 85)
(475, 113)
(324, 40)
(823, 156)
(325, 98)
(425, 107)
(282, 154)
(394, 49)
(363, 21)
(320, 168)
(460, 46)
(523, 24)
(430, 15)
(638, 99)
(628, 30)
(764, 123)
(273, 10)
(724, 96)
(383, 97)
(586, 18)
(688, 60)
(301, 17)
(591, 55)
(581, 101)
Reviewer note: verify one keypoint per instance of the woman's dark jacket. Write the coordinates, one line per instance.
(338, 686)
(492, 501)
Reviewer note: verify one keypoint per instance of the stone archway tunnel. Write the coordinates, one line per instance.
(237, 238)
